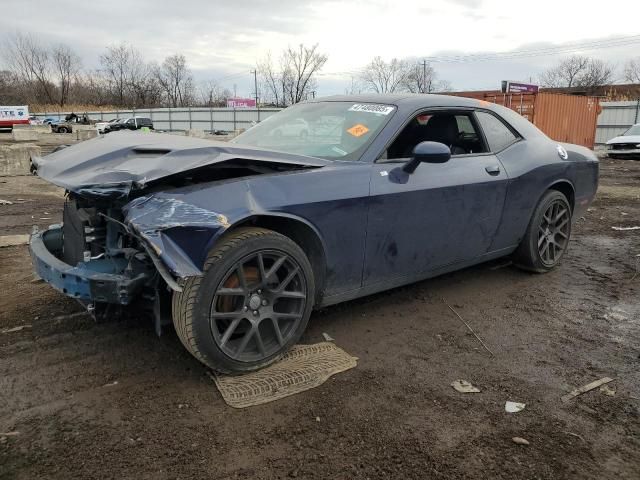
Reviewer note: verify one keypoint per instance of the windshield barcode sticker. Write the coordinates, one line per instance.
(371, 108)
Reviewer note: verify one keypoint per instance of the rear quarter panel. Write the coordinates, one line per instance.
(533, 167)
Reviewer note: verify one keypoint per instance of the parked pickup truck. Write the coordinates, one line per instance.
(66, 125)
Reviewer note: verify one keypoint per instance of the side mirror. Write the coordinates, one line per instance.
(428, 152)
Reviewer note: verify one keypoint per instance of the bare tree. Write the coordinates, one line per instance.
(386, 77)
(577, 71)
(91, 88)
(632, 70)
(272, 81)
(10, 92)
(293, 80)
(422, 78)
(66, 64)
(354, 88)
(32, 63)
(212, 94)
(596, 74)
(304, 63)
(116, 65)
(176, 80)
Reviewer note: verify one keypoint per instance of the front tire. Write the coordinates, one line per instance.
(547, 237)
(251, 304)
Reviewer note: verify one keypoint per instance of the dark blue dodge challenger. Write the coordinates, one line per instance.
(326, 201)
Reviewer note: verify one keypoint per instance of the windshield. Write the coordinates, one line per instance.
(635, 130)
(330, 130)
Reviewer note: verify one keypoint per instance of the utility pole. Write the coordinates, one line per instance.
(255, 84)
(424, 76)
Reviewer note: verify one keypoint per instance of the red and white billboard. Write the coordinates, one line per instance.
(13, 115)
(241, 103)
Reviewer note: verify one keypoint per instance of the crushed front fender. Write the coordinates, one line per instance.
(176, 231)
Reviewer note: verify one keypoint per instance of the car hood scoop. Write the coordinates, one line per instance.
(112, 166)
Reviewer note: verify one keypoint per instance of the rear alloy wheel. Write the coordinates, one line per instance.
(251, 305)
(547, 236)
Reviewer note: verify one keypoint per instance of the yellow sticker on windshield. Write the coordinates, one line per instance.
(357, 130)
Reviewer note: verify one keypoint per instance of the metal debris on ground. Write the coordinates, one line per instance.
(514, 407)
(625, 229)
(586, 388)
(301, 368)
(327, 337)
(468, 326)
(520, 441)
(608, 391)
(5, 202)
(574, 435)
(15, 329)
(463, 386)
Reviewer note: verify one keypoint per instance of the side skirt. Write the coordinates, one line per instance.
(400, 281)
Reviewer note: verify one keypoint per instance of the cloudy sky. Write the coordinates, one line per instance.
(223, 39)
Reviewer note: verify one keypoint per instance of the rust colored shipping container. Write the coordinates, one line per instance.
(567, 118)
(564, 118)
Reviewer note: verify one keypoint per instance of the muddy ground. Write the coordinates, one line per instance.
(394, 416)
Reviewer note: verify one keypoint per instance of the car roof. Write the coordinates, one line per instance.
(408, 103)
(406, 99)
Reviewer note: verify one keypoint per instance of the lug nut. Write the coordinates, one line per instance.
(264, 302)
(259, 292)
(245, 308)
(255, 312)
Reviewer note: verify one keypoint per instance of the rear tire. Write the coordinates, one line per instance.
(547, 237)
(251, 304)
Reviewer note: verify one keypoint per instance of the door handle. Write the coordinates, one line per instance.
(493, 169)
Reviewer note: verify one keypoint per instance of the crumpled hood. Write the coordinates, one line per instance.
(625, 139)
(112, 166)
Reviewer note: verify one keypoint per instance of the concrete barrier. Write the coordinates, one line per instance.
(16, 159)
(82, 135)
(194, 132)
(29, 133)
(24, 135)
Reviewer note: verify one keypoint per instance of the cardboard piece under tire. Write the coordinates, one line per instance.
(301, 368)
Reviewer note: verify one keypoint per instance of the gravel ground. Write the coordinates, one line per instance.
(111, 400)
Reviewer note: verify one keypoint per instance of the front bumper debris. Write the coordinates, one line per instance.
(88, 282)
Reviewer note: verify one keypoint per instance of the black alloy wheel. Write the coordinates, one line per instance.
(258, 305)
(553, 232)
(547, 237)
(251, 304)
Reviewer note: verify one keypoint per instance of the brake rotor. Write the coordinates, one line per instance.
(228, 303)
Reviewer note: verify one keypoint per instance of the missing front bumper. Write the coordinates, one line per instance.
(87, 282)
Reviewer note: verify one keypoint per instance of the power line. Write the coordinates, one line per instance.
(571, 48)
(234, 75)
(537, 52)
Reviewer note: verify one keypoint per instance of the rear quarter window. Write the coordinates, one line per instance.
(498, 135)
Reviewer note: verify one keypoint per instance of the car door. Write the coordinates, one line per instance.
(439, 215)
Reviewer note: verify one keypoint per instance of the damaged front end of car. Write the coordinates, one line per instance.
(130, 234)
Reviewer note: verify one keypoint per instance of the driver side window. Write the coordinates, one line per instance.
(456, 130)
